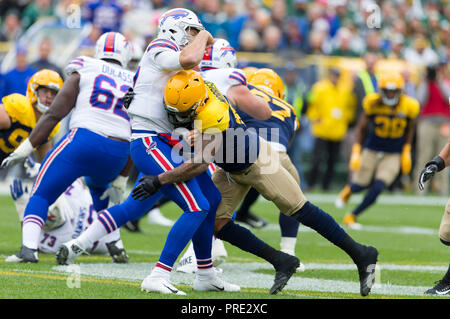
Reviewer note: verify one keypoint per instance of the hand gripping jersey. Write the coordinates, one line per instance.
(280, 127)
(23, 121)
(239, 145)
(99, 106)
(388, 124)
(158, 64)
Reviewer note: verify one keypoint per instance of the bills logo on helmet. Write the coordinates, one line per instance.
(176, 14)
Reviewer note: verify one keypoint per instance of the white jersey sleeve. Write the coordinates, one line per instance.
(99, 106)
(225, 78)
(158, 64)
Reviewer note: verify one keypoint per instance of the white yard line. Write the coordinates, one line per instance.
(245, 274)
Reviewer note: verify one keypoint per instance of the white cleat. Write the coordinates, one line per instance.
(188, 263)
(339, 203)
(156, 217)
(355, 226)
(160, 285)
(25, 255)
(68, 252)
(219, 253)
(214, 283)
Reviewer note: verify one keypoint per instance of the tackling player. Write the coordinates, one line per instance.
(382, 147)
(250, 162)
(97, 145)
(180, 44)
(219, 67)
(437, 164)
(19, 114)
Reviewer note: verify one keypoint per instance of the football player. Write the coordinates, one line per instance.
(267, 85)
(67, 218)
(250, 162)
(19, 114)
(180, 44)
(437, 164)
(97, 144)
(382, 147)
(219, 66)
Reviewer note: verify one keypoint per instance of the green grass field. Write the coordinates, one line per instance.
(405, 233)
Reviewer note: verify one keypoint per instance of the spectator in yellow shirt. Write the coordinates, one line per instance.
(329, 113)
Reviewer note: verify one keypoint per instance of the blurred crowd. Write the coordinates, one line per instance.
(414, 31)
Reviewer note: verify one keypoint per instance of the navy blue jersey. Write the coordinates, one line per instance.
(280, 127)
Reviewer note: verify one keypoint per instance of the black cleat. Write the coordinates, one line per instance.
(119, 255)
(442, 288)
(366, 270)
(251, 220)
(284, 272)
(133, 226)
(25, 255)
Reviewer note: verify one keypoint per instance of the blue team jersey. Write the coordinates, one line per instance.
(240, 144)
(388, 125)
(280, 127)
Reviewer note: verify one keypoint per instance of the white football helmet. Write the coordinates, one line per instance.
(173, 24)
(114, 46)
(220, 55)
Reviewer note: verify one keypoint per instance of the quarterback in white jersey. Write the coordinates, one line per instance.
(68, 217)
(96, 147)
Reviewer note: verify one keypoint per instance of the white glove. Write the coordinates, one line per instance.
(19, 154)
(20, 195)
(116, 190)
(31, 167)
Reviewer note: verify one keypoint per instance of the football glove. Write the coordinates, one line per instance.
(116, 190)
(406, 161)
(149, 185)
(355, 158)
(31, 167)
(435, 165)
(128, 97)
(20, 196)
(19, 154)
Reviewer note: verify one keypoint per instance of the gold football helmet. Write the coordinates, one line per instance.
(43, 78)
(184, 96)
(269, 81)
(391, 86)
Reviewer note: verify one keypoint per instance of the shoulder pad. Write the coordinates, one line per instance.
(19, 109)
(162, 44)
(238, 76)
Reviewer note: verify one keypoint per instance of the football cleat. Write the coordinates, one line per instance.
(442, 288)
(343, 197)
(117, 252)
(214, 283)
(219, 253)
(287, 267)
(25, 255)
(160, 285)
(366, 270)
(251, 220)
(133, 226)
(155, 217)
(67, 253)
(188, 262)
(350, 221)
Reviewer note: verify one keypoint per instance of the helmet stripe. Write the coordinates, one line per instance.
(109, 42)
